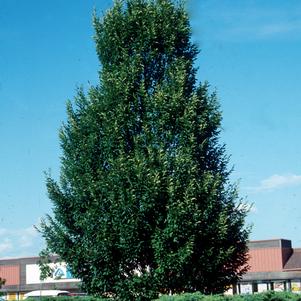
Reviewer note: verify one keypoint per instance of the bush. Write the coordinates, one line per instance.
(267, 296)
(183, 297)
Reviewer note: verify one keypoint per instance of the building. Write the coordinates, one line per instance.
(22, 275)
(274, 265)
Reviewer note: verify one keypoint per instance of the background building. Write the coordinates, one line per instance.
(22, 275)
(274, 265)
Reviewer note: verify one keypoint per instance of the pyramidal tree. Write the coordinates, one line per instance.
(144, 203)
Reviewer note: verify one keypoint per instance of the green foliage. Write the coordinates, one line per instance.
(267, 296)
(184, 297)
(280, 296)
(43, 262)
(144, 203)
(2, 282)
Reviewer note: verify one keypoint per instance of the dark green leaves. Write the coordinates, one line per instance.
(144, 203)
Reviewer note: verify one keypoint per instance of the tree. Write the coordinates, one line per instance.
(144, 203)
(2, 282)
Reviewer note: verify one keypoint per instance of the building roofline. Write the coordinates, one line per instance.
(272, 239)
(24, 258)
(17, 257)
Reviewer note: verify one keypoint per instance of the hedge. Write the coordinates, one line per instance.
(267, 296)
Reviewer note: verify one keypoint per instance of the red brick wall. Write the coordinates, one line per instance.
(266, 260)
(11, 274)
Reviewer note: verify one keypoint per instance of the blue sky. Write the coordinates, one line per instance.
(250, 53)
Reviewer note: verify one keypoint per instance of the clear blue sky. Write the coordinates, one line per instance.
(250, 52)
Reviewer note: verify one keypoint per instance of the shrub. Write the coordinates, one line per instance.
(267, 296)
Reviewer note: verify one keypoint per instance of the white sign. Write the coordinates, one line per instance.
(262, 287)
(278, 286)
(61, 273)
(246, 288)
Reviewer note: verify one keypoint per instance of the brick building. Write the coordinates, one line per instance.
(22, 275)
(274, 265)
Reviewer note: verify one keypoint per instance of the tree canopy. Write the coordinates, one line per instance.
(144, 203)
(2, 282)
